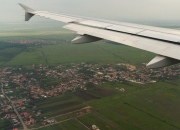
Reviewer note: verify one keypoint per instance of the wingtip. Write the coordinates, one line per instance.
(26, 8)
(20, 4)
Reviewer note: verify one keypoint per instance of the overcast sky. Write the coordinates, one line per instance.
(125, 10)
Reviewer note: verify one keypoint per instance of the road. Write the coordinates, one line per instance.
(62, 122)
(71, 118)
(82, 124)
(87, 107)
(15, 110)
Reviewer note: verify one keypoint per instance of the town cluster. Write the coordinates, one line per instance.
(20, 87)
(32, 41)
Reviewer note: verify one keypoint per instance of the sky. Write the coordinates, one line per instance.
(120, 10)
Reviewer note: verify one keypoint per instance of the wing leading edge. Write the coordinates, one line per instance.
(164, 42)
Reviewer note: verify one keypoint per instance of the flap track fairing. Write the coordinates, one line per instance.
(85, 39)
(161, 61)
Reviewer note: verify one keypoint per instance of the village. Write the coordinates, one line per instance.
(32, 42)
(21, 86)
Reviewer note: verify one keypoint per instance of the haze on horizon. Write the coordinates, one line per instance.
(120, 10)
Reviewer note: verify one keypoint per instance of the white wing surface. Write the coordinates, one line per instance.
(164, 42)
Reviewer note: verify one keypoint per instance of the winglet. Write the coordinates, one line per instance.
(28, 12)
(27, 9)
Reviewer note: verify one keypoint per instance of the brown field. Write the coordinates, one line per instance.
(56, 112)
(83, 95)
(51, 101)
(61, 106)
(102, 91)
(94, 93)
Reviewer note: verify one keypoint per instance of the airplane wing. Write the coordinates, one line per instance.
(164, 42)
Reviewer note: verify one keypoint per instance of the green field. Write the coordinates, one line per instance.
(151, 106)
(101, 53)
(146, 107)
(141, 107)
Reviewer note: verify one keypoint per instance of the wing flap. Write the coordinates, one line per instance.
(160, 35)
(151, 45)
(146, 33)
